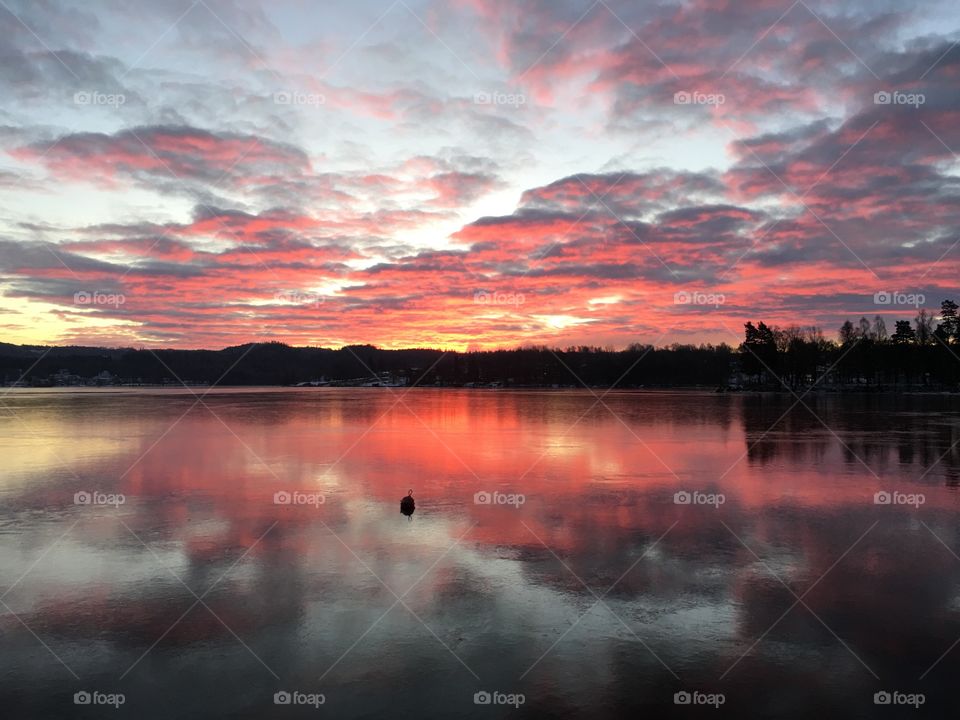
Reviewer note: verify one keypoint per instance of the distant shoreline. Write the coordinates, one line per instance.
(768, 361)
(200, 389)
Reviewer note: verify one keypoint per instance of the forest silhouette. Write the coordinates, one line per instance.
(921, 354)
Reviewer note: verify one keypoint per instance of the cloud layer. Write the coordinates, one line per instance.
(477, 173)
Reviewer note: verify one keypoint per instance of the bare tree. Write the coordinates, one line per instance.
(879, 329)
(924, 325)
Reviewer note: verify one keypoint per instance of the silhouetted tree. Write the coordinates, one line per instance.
(924, 325)
(759, 350)
(949, 328)
(848, 333)
(903, 334)
(879, 329)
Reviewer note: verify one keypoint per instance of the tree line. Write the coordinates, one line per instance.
(922, 354)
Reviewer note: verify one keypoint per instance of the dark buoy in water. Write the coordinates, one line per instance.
(407, 506)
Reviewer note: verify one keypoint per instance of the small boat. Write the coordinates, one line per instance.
(407, 506)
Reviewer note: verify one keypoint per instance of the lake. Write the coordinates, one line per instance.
(242, 554)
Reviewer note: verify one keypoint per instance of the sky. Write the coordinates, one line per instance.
(472, 174)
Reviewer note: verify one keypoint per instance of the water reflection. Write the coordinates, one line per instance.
(258, 550)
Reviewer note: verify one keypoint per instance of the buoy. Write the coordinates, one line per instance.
(407, 506)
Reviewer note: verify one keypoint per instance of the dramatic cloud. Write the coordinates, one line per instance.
(482, 172)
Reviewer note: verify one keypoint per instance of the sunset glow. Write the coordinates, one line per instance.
(472, 174)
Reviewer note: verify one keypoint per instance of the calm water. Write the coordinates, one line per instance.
(198, 594)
